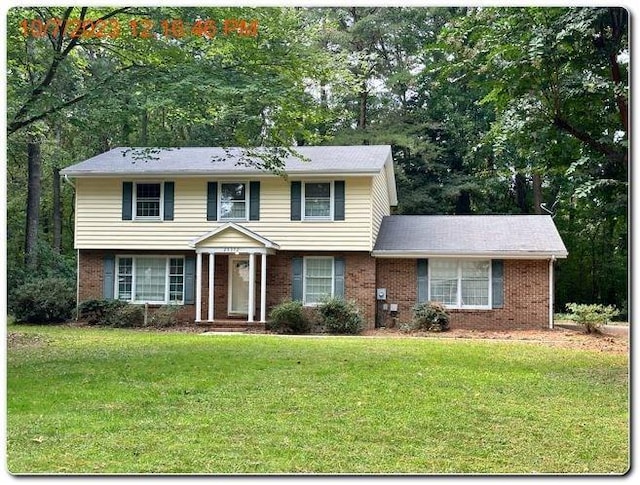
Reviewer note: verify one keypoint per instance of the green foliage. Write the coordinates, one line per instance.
(47, 300)
(127, 316)
(165, 316)
(99, 312)
(288, 317)
(430, 316)
(592, 317)
(341, 316)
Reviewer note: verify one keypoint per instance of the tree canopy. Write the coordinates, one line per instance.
(488, 110)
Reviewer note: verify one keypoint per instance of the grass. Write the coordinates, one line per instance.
(113, 401)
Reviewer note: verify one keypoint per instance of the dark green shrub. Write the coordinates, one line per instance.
(99, 312)
(430, 316)
(165, 316)
(341, 316)
(288, 317)
(45, 300)
(129, 315)
(591, 317)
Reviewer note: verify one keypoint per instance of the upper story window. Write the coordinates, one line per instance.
(460, 283)
(148, 200)
(317, 201)
(233, 201)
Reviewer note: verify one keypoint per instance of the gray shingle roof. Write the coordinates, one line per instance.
(490, 235)
(216, 160)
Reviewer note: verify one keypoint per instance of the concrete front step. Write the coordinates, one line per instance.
(231, 326)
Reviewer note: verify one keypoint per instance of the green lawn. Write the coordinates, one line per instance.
(120, 401)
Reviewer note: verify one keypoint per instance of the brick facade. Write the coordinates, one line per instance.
(526, 296)
(359, 280)
(526, 288)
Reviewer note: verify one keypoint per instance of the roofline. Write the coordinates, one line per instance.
(208, 173)
(237, 227)
(412, 253)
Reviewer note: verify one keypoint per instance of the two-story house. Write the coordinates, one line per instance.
(199, 228)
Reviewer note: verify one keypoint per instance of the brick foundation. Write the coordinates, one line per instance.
(526, 296)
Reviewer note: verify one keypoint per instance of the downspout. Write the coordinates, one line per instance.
(66, 179)
(553, 258)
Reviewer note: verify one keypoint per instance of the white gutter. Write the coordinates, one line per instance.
(66, 179)
(227, 173)
(551, 291)
(469, 254)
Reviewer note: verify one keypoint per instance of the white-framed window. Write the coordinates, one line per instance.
(148, 201)
(234, 201)
(318, 279)
(150, 279)
(317, 201)
(460, 283)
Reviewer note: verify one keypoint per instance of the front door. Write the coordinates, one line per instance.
(238, 286)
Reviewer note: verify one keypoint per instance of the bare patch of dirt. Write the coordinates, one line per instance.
(20, 339)
(610, 340)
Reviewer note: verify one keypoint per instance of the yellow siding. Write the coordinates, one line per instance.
(99, 224)
(230, 238)
(380, 205)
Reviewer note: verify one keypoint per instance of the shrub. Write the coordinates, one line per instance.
(591, 317)
(45, 300)
(288, 317)
(340, 316)
(165, 316)
(430, 316)
(99, 312)
(128, 315)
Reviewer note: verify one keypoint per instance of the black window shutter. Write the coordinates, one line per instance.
(127, 201)
(338, 200)
(497, 283)
(297, 286)
(423, 280)
(338, 283)
(296, 201)
(254, 201)
(168, 201)
(212, 201)
(108, 277)
(189, 280)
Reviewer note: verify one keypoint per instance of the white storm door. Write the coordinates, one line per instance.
(239, 285)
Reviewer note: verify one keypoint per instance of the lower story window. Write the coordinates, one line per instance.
(145, 279)
(460, 283)
(318, 279)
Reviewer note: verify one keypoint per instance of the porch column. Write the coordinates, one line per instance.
(263, 288)
(198, 287)
(212, 268)
(551, 291)
(252, 286)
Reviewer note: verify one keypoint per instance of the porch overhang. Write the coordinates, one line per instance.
(232, 239)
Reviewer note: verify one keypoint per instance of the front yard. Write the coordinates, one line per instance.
(100, 401)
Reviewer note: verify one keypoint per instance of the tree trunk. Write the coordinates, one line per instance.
(364, 95)
(57, 216)
(463, 203)
(144, 127)
(34, 190)
(521, 192)
(537, 193)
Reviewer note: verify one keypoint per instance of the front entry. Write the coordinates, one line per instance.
(238, 285)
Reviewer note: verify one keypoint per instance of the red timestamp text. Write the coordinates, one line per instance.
(142, 28)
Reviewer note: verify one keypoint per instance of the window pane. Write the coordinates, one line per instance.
(475, 283)
(444, 281)
(125, 268)
(233, 201)
(317, 200)
(148, 200)
(176, 280)
(150, 279)
(318, 279)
